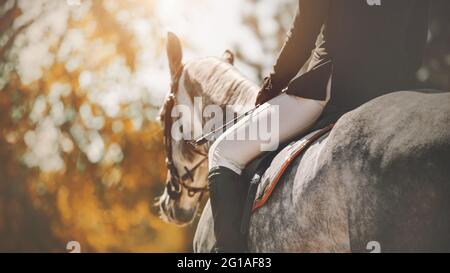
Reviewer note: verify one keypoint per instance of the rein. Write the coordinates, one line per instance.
(177, 182)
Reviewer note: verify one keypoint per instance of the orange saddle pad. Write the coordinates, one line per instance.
(281, 162)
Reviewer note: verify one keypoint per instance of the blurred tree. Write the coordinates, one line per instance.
(435, 72)
(82, 155)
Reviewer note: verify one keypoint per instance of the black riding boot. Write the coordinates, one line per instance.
(227, 193)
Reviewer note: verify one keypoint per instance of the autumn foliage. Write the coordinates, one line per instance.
(71, 167)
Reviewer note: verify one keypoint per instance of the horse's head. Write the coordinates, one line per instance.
(187, 164)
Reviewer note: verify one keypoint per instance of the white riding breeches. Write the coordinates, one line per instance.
(274, 122)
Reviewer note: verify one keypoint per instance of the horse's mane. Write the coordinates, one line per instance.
(218, 82)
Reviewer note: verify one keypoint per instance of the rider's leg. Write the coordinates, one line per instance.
(287, 117)
(226, 193)
(229, 155)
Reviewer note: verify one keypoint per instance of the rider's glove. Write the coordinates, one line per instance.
(267, 92)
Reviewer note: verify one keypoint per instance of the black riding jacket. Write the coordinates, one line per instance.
(376, 46)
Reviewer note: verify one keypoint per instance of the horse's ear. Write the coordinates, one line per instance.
(228, 57)
(174, 53)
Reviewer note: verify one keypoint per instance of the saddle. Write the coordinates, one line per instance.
(265, 172)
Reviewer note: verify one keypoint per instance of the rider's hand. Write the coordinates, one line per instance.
(267, 92)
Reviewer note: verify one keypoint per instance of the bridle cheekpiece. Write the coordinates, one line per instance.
(177, 182)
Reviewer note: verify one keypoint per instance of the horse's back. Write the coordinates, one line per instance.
(380, 176)
(392, 156)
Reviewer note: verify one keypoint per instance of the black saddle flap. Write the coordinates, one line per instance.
(312, 84)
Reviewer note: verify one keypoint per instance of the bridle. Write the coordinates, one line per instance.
(177, 183)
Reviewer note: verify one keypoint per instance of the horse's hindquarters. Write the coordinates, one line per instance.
(393, 159)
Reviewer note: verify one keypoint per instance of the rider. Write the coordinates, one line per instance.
(375, 47)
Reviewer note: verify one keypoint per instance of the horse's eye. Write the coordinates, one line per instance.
(181, 129)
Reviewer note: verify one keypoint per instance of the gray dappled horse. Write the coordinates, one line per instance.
(380, 178)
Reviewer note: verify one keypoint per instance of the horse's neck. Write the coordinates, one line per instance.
(241, 101)
(237, 94)
(216, 83)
